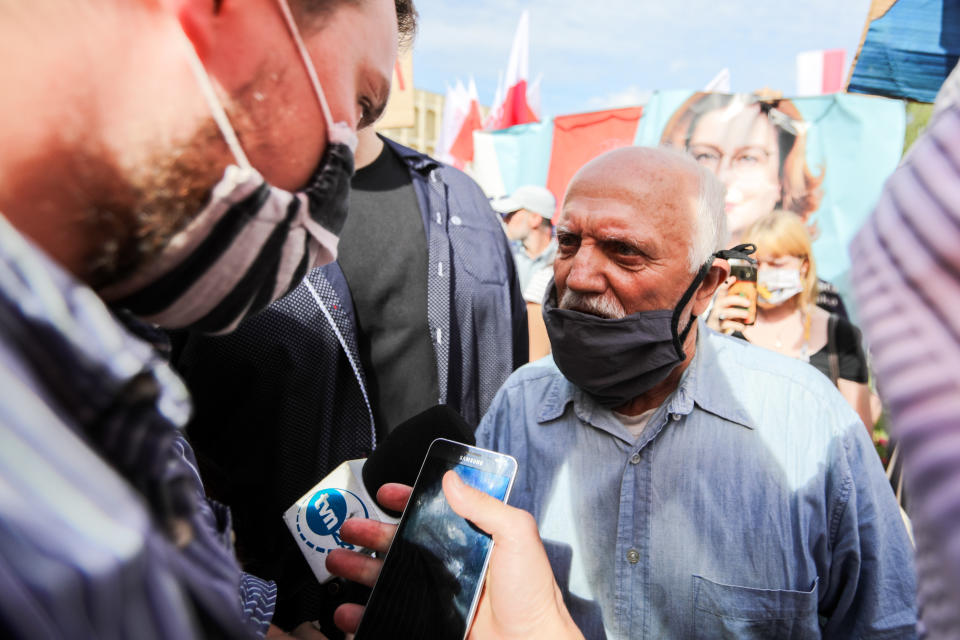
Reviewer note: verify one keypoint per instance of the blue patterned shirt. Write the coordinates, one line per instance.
(105, 531)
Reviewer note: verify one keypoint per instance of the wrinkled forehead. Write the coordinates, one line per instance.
(657, 207)
(637, 180)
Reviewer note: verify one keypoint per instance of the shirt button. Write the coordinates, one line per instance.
(635, 458)
(674, 416)
(633, 556)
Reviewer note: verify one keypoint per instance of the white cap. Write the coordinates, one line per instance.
(529, 197)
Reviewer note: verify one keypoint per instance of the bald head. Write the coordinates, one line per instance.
(641, 174)
(629, 241)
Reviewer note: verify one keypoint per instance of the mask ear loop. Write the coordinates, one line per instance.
(349, 136)
(741, 251)
(216, 108)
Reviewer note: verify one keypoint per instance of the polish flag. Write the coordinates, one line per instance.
(461, 149)
(493, 116)
(515, 108)
(456, 104)
(820, 72)
(533, 97)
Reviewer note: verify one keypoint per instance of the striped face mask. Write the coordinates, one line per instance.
(252, 242)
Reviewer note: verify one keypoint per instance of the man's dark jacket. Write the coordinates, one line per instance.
(282, 401)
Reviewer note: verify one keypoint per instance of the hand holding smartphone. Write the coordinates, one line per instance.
(745, 287)
(433, 573)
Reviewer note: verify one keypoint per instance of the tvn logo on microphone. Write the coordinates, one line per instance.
(319, 518)
(315, 519)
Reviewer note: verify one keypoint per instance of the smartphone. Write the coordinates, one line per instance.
(433, 572)
(745, 285)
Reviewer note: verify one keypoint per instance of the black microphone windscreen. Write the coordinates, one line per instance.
(399, 457)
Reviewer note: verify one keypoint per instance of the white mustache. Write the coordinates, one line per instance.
(594, 304)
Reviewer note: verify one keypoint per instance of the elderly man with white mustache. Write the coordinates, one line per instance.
(687, 484)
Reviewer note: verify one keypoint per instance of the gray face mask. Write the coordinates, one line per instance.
(616, 360)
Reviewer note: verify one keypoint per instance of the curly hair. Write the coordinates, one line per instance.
(799, 189)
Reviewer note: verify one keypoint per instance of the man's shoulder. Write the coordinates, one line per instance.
(774, 389)
(542, 372)
(530, 385)
(419, 160)
(520, 402)
(737, 356)
(463, 188)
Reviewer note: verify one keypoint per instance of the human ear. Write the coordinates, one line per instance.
(196, 18)
(718, 272)
(229, 36)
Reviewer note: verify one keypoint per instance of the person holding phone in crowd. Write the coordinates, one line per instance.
(787, 318)
(520, 598)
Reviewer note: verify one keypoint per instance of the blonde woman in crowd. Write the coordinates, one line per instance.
(787, 317)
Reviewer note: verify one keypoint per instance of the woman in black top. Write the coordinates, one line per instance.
(788, 319)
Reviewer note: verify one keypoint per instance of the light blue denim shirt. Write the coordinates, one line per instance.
(753, 505)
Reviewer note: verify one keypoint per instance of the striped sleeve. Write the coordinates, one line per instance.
(906, 274)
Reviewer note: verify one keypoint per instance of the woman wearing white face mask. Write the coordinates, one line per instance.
(788, 319)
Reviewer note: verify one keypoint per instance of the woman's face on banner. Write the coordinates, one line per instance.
(739, 144)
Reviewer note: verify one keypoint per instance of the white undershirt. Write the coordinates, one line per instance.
(635, 424)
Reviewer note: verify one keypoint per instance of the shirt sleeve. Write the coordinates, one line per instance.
(236, 601)
(869, 586)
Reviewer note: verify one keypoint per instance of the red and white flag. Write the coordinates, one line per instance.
(515, 107)
(533, 96)
(461, 149)
(456, 103)
(820, 72)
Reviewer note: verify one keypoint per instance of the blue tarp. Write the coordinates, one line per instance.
(909, 51)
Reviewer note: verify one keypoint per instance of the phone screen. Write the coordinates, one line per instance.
(432, 575)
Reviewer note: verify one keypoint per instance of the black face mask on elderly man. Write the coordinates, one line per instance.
(617, 359)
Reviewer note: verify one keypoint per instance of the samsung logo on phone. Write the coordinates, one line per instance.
(471, 460)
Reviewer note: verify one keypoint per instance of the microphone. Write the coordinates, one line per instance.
(349, 490)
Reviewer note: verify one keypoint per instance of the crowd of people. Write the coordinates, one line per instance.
(218, 282)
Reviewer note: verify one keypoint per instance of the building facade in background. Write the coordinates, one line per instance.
(424, 135)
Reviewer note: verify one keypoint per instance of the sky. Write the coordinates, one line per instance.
(608, 53)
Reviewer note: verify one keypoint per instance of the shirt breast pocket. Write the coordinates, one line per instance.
(478, 251)
(730, 611)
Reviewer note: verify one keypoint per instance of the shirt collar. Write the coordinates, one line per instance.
(705, 384)
(709, 382)
(416, 160)
(562, 392)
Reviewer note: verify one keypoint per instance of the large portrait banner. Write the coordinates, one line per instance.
(823, 158)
